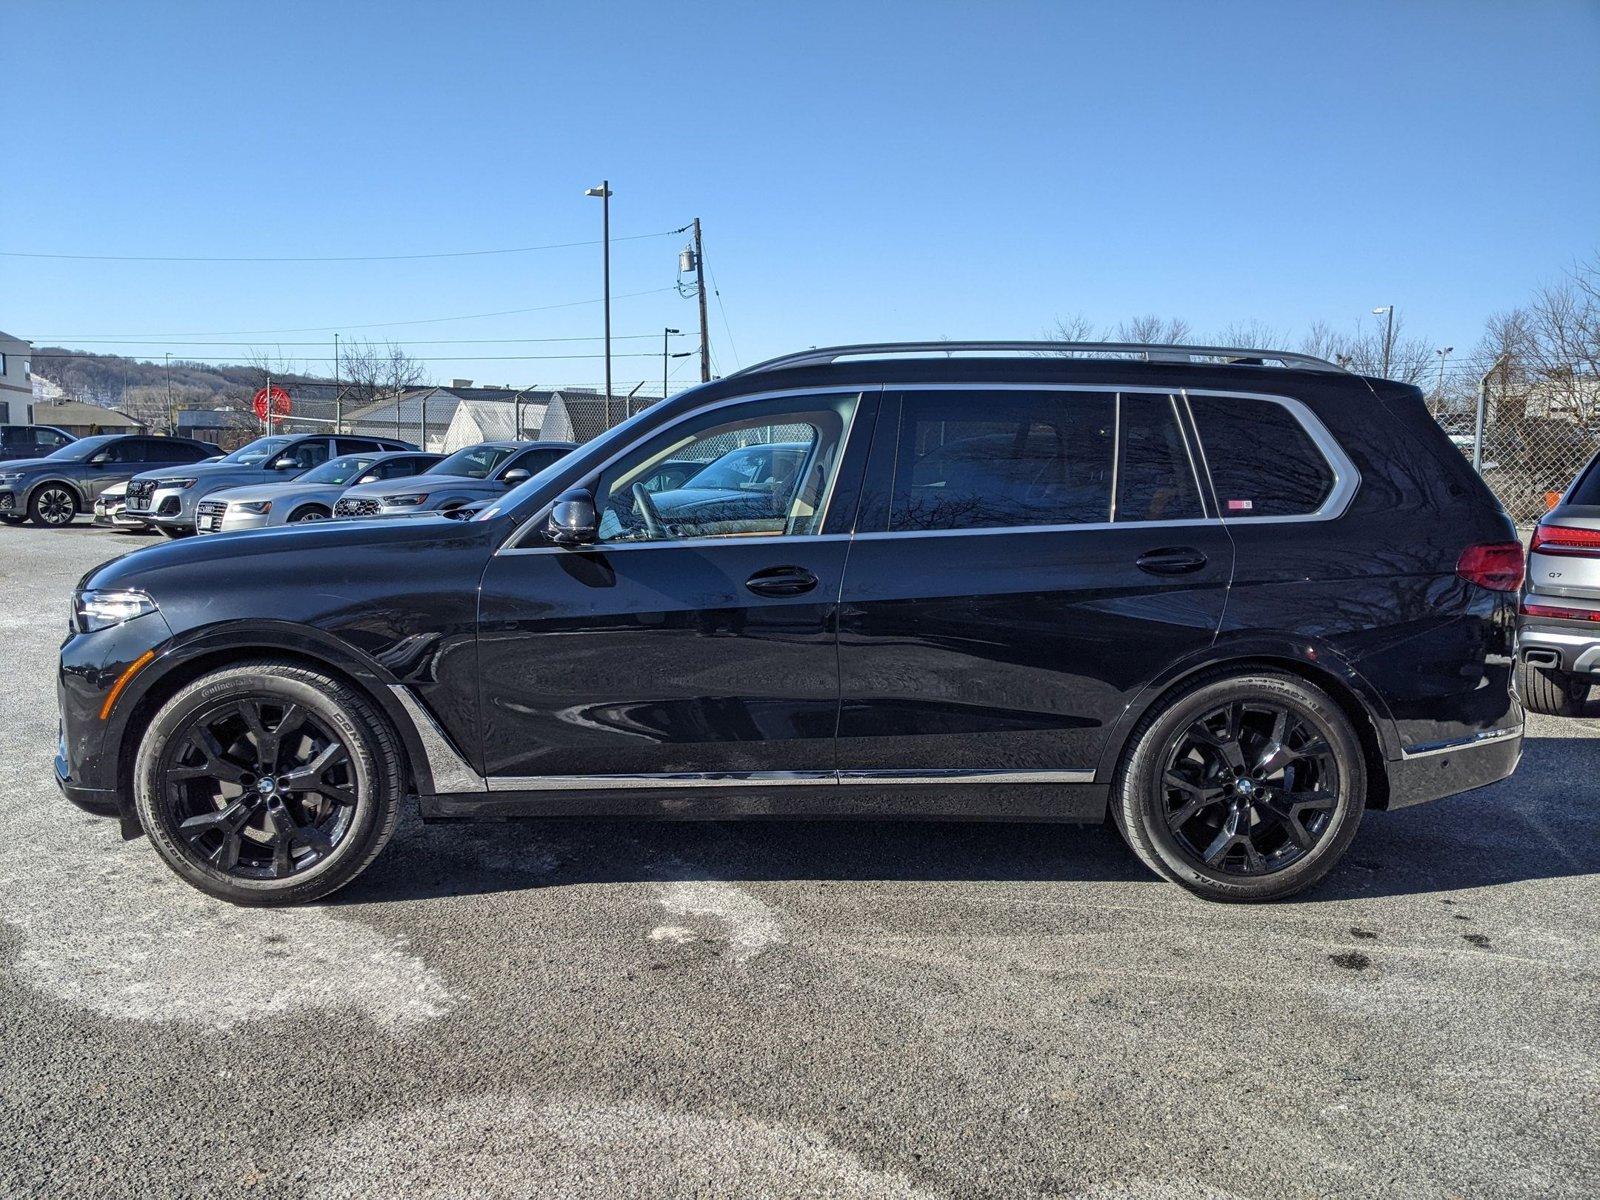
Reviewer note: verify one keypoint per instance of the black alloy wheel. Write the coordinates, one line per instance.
(53, 505)
(268, 783)
(1249, 787)
(1246, 787)
(260, 788)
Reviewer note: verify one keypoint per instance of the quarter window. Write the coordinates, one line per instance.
(761, 469)
(1262, 461)
(984, 460)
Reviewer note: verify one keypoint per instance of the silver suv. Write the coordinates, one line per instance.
(1558, 637)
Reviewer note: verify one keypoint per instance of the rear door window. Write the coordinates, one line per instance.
(998, 459)
(1587, 489)
(1263, 462)
(1155, 475)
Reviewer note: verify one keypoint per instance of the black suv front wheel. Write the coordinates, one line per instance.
(267, 783)
(1247, 787)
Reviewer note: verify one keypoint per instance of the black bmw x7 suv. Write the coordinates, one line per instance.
(1230, 599)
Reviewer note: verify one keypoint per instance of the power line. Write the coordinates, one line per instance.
(327, 258)
(717, 292)
(508, 312)
(89, 341)
(234, 361)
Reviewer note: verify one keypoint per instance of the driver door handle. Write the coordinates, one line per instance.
(781, 581)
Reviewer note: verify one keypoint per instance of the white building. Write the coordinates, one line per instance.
(16, 387)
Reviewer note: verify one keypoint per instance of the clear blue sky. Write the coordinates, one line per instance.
(863, 170)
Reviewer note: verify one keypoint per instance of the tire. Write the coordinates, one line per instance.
(1552, 693)
(1177, 797)
(226, 825)
(53, 505)
(9, 519)
(310, 512)
(175, 534)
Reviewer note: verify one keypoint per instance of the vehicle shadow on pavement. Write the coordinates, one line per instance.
(1544, 823)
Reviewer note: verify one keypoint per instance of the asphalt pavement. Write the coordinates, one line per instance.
(608, 1009)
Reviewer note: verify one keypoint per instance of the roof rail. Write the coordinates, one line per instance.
(1150, 352)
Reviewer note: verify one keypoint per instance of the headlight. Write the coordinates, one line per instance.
(93, 610)
(251, 506)
(180, 484)
(409, 500)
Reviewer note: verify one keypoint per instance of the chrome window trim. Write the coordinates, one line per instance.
(1346, 479)
(721, 779)
(1467, 743)
(509, 546)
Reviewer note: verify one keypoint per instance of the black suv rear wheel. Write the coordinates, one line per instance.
(1247, 787)
(268, 783)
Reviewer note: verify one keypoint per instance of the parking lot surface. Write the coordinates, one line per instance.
(874, 1009)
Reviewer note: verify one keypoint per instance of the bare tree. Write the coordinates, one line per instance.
(1076, 328)
(1151, 329)
(370, 371)
(1251, 335)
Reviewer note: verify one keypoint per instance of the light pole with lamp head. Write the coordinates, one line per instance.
(1388, 335)
(604, 193)
(665, 334)
(1443, 352)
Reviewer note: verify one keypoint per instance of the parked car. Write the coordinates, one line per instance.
(168, 499)
(1558, 636)
(479, 472)
(31, 441)
(1235, 598)
(307, 497)
(55, 489)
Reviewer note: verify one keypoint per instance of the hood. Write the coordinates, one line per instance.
(197, 471)
(153, 568)
(420, 483)
(277, 491)
(7, 466)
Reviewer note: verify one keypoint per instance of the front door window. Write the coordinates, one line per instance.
(757, 470)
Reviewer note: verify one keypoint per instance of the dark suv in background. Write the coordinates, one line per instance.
(31, 441)
(54, 489)
(1232, 598)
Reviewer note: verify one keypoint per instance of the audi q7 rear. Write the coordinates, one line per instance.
(1230, 600)
(1559, 643)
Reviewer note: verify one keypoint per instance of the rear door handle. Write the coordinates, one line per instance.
(781, 581)
(1171, 560)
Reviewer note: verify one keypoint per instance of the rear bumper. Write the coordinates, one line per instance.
(1440, 771)
(1565, 646)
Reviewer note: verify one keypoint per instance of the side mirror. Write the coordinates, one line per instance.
(515, 476)
(286, 463)
(572, 519)
(101, 459)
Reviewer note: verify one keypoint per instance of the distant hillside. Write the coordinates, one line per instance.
(106, 378)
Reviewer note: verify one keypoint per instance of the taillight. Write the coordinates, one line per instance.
(1563, 539)
(1559, 613)
(1493, 565)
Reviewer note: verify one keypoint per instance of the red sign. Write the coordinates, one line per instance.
(280, 403)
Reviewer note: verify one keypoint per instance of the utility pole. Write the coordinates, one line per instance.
(1443, 352)
(269, 403)
(172, 413)
(604, 192)
(700, 288)
(1388, 336)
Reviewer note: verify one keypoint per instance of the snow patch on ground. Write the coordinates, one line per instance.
(748, 925)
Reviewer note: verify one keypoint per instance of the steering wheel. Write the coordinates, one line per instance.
(653, 524)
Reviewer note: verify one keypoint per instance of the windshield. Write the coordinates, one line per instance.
(475, 462)
(257, 451)
(338, 470)
(82, 448)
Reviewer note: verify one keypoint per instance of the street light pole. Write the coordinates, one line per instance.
(1388, 336)
(1438, 392)
(665, 334)
(604, 193)
(172, 415)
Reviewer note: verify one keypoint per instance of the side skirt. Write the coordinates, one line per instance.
(808, 800)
